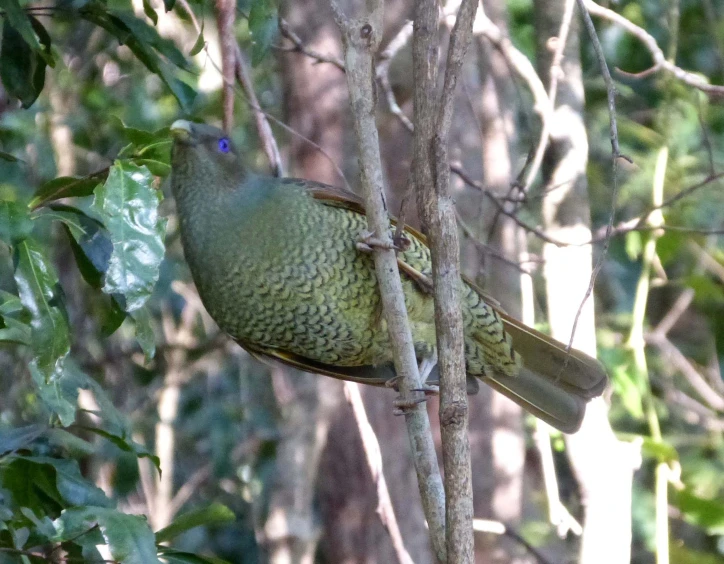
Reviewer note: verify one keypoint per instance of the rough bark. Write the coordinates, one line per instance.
(602, 464)
(361, 38)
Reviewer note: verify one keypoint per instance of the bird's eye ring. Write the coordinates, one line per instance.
(224, 145)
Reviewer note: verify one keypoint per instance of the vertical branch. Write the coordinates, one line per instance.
(225, 14)
(438, 212)
(361, 39)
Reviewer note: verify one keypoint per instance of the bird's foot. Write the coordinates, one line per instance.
(368, 242)
(404, 405)
(394, 383)
(428, 390)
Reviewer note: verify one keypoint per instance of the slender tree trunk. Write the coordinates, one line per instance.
(602, 464)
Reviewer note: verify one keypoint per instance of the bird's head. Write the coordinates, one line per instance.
(204, 156)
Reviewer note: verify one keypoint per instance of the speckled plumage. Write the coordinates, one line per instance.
(276, 264)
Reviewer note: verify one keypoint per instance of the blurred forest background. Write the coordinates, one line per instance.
(107, 377)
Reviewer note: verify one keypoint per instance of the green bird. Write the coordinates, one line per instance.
(277, 264)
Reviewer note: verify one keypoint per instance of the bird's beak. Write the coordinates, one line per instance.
(181, 129)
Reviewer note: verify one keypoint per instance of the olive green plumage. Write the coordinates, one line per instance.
(276, 264)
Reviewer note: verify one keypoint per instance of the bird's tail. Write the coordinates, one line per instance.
(554, 384)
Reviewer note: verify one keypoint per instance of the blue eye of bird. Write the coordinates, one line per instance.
(224, 145)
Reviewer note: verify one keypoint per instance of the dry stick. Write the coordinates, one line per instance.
(225, 14)
(615, 153)
(241, 70)
(660, 60)
(371, 447)
(437, 209)
(361, 38)
(500, 528)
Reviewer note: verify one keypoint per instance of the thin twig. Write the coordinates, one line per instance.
(660, 60)
(500, 528)
(300, 47)
(373, 456)
(243, 75)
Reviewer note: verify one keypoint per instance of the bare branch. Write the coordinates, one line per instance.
(361, 39)
(371, 447)
(225, 15)
(300, 47)
(660, 61)
(241, 70)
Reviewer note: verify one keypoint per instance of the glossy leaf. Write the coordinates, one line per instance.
(15, 222)
(128, 206)
(72, 486)
(214, 514)
(66, 187)
(22, 69)
(129, 537)
(89, 240)
(144, 332)
(16, 17)
(41, 296)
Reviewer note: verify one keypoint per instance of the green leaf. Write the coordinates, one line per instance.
(214, 514)
(16, 17)
(74, 446)
(129, 537)
(14, 439)
(157, 168)
(66, 187)
(113, 419)
(72, 486)
(173, 556)
(127, 445)
(148, 36)
(15, 331)
(200, 43)
(263, 25)
(43, 525)
(706, 513)
(22, 70)
(15, 222)
(150, 12)
(32, 485)
(144, 332)
(8, 157)
(143, 51)
(59, 393)
(89, 240)
(128, 206)
(41, 295)
(169, 4)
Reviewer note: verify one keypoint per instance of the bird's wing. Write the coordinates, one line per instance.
(371, 375)
(570, 369)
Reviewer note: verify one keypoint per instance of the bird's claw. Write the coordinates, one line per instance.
(368, 242)
(405, 405)
(428, 389)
